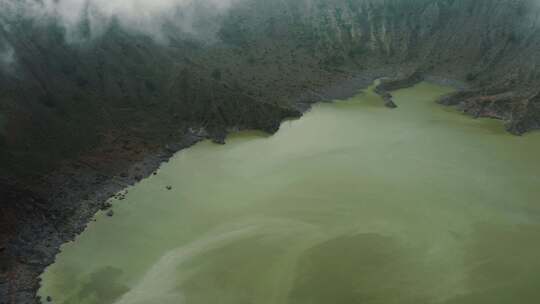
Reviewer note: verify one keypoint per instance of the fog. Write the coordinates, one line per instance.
(88, 19)
(7, 54)
(7, 57)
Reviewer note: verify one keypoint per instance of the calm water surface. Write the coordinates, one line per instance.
(354, 203)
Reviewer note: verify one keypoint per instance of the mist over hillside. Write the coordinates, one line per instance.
(85, 20)
(88, 88)
(7, 56)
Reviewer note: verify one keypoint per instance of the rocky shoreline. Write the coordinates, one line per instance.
(80, 188)
(78, 192)
(518, 109)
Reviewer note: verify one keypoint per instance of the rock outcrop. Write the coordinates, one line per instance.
(518, 110)
(387, 85)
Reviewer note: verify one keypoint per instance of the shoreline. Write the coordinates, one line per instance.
(49, 241)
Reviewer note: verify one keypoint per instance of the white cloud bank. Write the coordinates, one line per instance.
(143, 16)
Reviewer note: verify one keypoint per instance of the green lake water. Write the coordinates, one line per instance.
(353, 203)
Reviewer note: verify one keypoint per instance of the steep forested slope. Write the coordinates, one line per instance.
(60, 96)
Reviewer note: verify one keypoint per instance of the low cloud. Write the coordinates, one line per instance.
(7, 56)
(87, 19)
